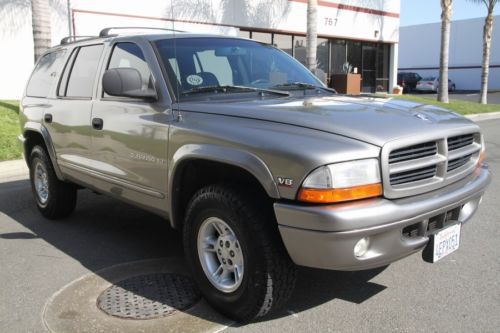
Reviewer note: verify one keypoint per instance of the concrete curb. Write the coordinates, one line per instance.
(483, 116)
(13, 170)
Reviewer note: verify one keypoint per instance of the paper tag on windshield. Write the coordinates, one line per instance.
(194, 80)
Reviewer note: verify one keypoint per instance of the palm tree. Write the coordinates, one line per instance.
(487, 30)
(40, 12)
(444, 54)
(312, 34)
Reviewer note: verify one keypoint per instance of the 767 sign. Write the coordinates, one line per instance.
(330, 21)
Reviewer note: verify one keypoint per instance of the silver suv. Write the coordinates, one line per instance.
(261, 166)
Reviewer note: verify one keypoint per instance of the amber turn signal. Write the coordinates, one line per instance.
(340, 194)
(481, 158)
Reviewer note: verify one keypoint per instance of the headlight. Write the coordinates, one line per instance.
(342, 182)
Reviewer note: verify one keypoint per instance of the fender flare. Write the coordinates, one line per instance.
(226, 155)
(42, 130)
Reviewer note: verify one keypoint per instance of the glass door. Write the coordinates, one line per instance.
(369, 68)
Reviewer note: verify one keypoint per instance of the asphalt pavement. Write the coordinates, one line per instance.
(461, 293)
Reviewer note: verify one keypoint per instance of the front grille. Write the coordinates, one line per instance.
(458, 162)
(413, 152)
(460, 141)
(413, 175)
(419, 167)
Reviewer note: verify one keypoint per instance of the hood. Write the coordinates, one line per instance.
(372, 120)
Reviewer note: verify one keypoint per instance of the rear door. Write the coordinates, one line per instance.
(68, 120)
(38, 97)
(131, 135)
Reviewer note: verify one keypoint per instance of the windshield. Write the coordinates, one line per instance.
(197, 64)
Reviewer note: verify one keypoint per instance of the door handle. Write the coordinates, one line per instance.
(97, 123)
(47, 117)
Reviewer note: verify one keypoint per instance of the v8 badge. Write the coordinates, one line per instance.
(283, 181)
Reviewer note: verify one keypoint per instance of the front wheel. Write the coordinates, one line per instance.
(236, 255)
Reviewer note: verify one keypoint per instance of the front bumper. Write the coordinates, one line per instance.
(325, 236)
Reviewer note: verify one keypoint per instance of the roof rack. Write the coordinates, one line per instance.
(106, 31)
(72, 39)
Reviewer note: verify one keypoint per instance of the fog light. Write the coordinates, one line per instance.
(469, 209)
(361, 247)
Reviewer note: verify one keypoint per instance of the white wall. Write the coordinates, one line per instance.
(16, 42)
(336, 18)
(419, 52)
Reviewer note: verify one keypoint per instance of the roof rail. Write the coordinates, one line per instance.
(106, 31)
(72, 39)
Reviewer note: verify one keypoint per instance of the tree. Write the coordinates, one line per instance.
(487, 31)
(312, 34)
(40, 12)
(446, 6)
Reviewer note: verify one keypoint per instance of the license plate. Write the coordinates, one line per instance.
(442, 243)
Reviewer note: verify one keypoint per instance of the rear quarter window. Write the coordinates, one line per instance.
(45, 74)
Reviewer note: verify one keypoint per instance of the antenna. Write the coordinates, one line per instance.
(106, 31)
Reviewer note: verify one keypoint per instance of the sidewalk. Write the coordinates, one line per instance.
(13, 170)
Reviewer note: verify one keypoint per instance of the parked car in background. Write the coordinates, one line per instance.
(431, 84)
(408, 80)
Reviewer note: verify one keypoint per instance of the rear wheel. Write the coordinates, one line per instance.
(55, 199)
(236, 255)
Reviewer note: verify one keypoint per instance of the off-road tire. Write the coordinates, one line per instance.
(269, 275)
(61, 200)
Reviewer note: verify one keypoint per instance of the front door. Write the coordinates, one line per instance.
(130, 136)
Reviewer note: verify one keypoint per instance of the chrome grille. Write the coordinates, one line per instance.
(412, 167)
(458, 162)
(413, 152)
(460, 141)
(413, 175)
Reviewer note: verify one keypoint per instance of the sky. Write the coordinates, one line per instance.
(429, 11)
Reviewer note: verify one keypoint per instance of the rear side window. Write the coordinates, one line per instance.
(45, 73)
(83, 72)
(129, 55)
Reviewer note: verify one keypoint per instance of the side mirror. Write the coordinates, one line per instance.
(126, 82)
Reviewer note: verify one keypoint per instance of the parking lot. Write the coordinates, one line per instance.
(39, 258)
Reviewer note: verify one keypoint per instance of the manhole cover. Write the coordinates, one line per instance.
(149, 296)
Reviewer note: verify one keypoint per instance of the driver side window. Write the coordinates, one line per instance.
(129, 55)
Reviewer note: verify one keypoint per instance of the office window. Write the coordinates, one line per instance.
(299, 49)
(244, 34)
(262, 37)
(284, 42)
(338, 56)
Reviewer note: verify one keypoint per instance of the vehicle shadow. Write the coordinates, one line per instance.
(103, 232)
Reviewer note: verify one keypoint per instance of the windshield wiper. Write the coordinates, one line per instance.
(230, 89)
(301, 86)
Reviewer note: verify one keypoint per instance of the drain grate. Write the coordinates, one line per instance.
(149, 296)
